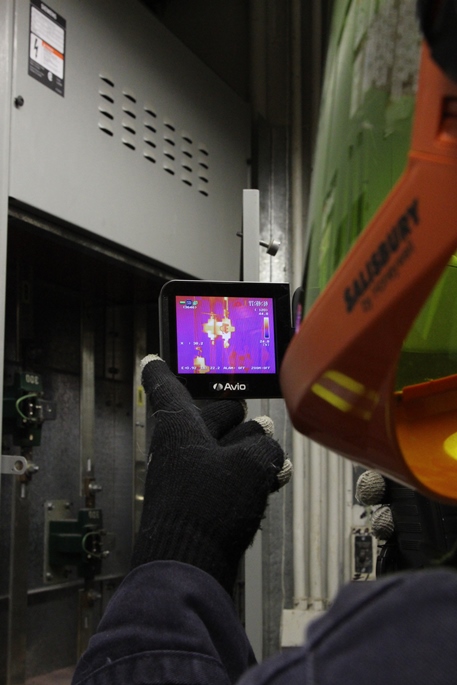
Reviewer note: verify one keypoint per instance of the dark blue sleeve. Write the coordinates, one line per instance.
(171, 623)
(167, 623)
(398, 630)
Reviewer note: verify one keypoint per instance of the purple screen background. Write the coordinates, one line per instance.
(251, 346)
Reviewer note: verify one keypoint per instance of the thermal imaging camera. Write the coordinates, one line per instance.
(225, 339)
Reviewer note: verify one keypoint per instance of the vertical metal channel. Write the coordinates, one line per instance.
(17, 612)
(19, 561)
(87, 462)
(253, 558)
(87, 398)
(6, 62)
(139, 415)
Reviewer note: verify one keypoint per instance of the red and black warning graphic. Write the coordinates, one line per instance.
(47, 46)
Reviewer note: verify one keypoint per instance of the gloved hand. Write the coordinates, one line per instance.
(208, 479)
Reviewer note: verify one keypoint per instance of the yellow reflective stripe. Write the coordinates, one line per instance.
(331, 398)
(346, 384)
(450, 446)
(345, 381)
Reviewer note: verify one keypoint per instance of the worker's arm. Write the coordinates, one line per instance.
(208, 480)
(168, 622)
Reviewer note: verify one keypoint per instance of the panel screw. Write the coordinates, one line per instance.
(18, 101)
(272, 247)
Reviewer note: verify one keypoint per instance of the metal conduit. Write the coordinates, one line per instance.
(322, 483)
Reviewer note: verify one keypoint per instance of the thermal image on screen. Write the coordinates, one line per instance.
(225, 335)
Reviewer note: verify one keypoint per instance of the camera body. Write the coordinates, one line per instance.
(225, 339)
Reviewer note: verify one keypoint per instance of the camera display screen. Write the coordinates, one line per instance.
(225, 335)
(225, 339)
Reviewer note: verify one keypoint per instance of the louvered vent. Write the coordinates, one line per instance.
(150, 133)
(106, 104)
(128, 118)
(156, 137)
(203, 169)
(169, 144)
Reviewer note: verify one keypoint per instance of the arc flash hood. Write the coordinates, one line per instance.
(338, 375)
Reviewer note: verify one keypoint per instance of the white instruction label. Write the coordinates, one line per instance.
(47, 46)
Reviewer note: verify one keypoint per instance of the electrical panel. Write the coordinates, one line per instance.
(119, 130)
(128, 161)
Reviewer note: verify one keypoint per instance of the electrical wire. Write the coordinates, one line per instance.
(21, 414)
(97, 555)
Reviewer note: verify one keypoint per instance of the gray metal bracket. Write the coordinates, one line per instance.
(55, 510)
(12, 464)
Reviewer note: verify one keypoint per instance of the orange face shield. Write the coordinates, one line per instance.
(338, 375)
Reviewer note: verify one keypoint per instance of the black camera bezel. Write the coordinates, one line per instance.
(200, 386)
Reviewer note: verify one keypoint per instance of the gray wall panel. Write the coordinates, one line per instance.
(64, 164)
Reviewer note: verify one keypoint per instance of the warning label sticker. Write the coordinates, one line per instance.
(47, 46)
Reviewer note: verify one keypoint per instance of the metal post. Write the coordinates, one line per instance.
(17, 614)
(87, 398)
(87, 596)
(253, 559)
(6, 62)
(139, 416)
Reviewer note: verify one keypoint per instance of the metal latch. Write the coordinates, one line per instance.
(13, 464)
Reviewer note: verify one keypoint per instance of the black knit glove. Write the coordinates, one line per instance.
(208, 478)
